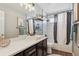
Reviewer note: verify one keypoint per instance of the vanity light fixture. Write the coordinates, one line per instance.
(39, 17)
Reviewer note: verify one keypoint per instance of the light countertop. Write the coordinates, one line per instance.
(19, 44)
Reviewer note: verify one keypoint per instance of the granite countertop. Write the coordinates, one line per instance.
(19, 44)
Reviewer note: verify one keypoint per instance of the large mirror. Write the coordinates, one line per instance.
(2, 24)
(35, 27)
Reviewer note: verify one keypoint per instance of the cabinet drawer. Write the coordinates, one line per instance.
(30, 51)
(45, 47)
(39, 48)
(33, 53)
(39, 45)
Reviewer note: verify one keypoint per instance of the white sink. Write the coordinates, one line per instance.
(35, 37)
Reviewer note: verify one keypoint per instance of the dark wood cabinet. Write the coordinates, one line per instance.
(39, 49)
(44, 47)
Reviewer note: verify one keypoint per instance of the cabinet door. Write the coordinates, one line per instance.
(45, 47)
(2, 23)
(39, 49)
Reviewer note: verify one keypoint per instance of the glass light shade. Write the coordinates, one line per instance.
(31, 9)
(27, 6)
(21, 4)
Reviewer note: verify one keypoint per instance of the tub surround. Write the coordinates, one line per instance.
(20, 43)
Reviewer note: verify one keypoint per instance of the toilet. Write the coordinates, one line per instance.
(49, 48)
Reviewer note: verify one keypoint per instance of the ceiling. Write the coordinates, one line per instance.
(54, 7)
(47, 8)
(13, 6)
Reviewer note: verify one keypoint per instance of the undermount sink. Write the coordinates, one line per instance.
(35, 37)
(39, 36)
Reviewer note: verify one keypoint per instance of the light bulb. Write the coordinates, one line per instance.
(21, 4)
(29, 6)
(26, 7)
(32, 8)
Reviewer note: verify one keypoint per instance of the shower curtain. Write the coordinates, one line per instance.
(62, 36)
(61, 33)
(62, 28)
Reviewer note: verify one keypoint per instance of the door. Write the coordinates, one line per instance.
(2, 24)
(76, 30)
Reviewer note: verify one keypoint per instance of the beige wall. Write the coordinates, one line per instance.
(10, 22)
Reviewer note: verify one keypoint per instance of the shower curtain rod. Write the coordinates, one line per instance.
(53, 13)
(58, 12)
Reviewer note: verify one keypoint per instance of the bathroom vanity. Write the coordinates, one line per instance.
(39, 49)
(25, 46)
